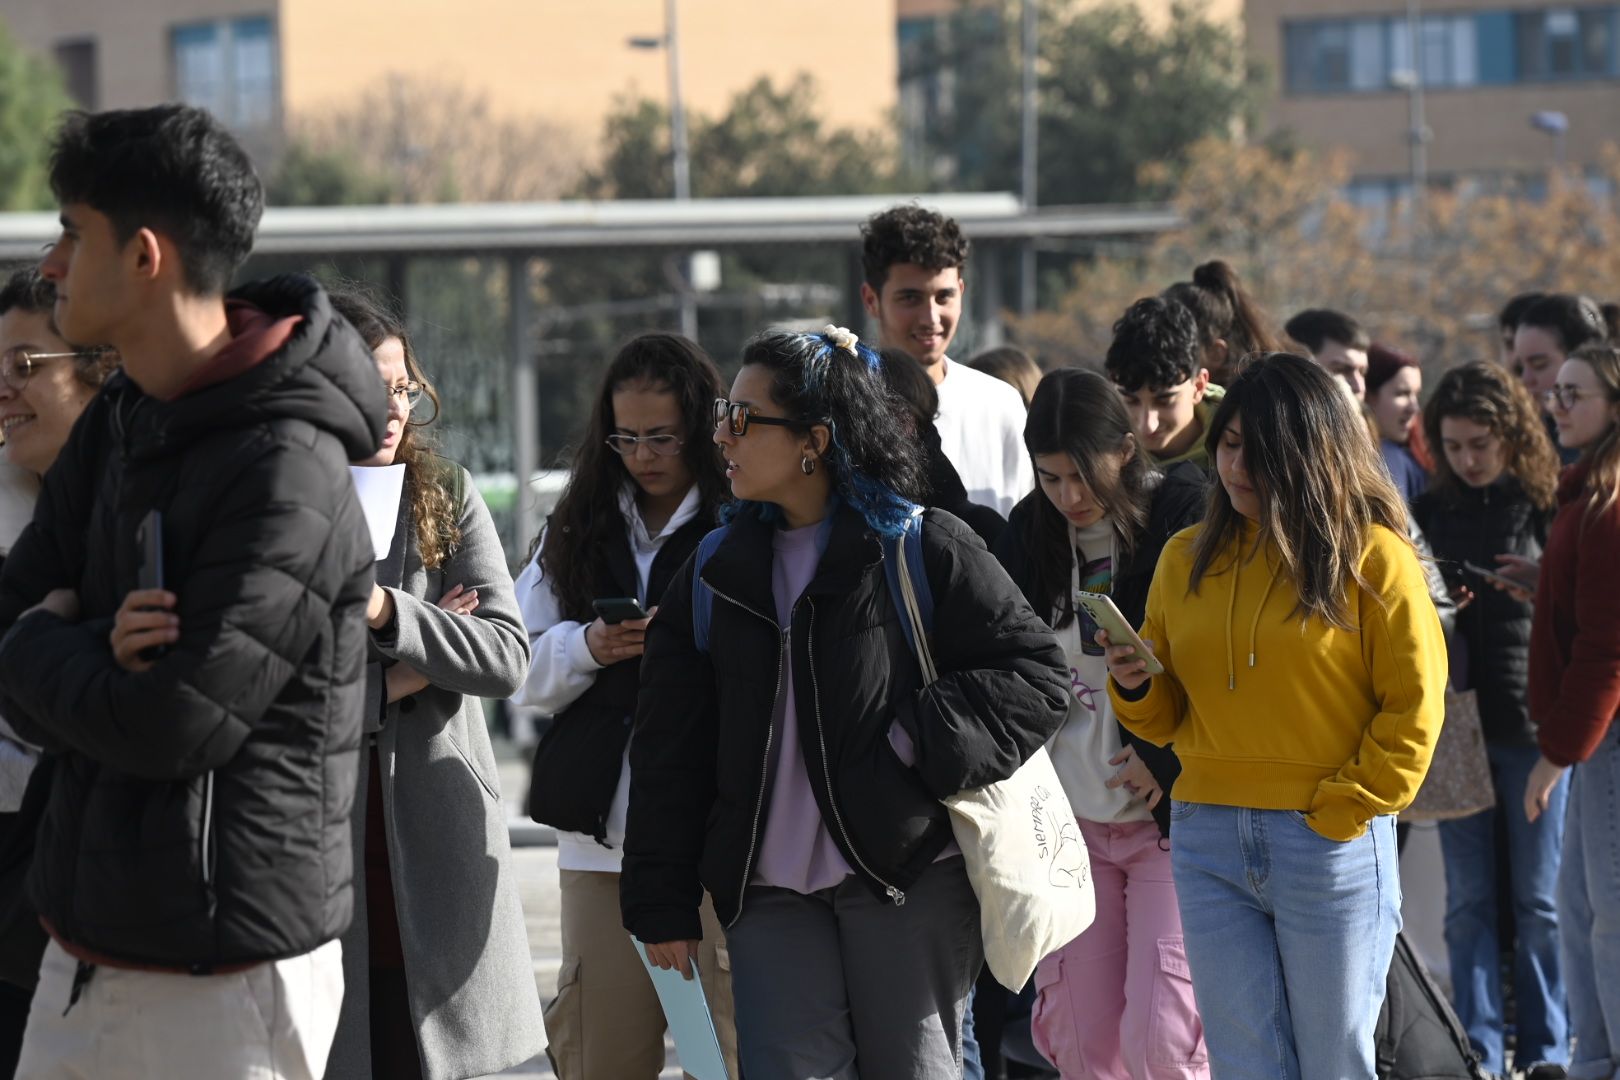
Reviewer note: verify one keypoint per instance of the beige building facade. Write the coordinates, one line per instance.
(262, 63)
(1499, 78)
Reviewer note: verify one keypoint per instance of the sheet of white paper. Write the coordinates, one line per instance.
(690, 1023)
(19, 489)
(379, 489)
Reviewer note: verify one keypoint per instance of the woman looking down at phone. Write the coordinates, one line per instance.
(437, 976)
(1304, 682)
(645, 487)
(1109, 1006)
(1575, 696)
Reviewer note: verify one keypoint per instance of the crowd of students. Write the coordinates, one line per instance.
(250, 823)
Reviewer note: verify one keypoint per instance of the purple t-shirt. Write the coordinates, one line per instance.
(797, 852)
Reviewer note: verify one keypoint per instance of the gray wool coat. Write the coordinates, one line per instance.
(470, 979)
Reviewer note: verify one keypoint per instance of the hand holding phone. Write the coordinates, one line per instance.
(1100, 608)
(145, 624)
(1502, 580)
(619, 632)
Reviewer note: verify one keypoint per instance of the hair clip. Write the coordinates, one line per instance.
(841, 338)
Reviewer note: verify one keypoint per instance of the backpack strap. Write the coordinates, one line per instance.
(907, 557)
(702, 595)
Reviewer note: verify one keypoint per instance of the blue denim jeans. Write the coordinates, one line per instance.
(1290, 937)
(1589, 911)
(1469, 848)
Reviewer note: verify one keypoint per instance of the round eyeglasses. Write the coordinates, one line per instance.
(17, 366)
(1565, 397)
(410, 393)
(662, 445)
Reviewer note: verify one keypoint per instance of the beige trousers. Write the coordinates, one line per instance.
(606, 1023)
(271, 1022)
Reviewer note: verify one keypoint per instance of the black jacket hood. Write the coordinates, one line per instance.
(324, 375)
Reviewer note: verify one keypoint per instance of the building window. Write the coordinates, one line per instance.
(77, 62)
(1565, 43)
(1453, 50)
(228, 67)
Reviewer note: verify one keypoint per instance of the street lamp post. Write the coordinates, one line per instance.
(670, 42)
(1418, 134)
(1031, 128)
(1556, 124)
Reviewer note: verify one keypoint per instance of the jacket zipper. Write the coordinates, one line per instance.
(765, 763)
(894, 894)
(208, 830)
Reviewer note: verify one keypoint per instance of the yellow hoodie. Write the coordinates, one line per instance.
(1272, 712)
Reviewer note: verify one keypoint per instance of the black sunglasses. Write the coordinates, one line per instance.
(736, 417)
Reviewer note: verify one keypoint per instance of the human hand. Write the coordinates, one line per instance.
(674, 954)
(402, 680)
(145, 620)
(621, 641)
(1543, 778)
(460, 601)
(1124, 665)
(1462, 596)
(1522, 570)
(1135, 777)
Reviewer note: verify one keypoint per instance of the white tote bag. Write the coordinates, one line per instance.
(1025, 857)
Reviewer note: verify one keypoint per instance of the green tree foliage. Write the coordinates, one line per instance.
(306, 176)
(31, 97)
(770, 142)
(1117, 93)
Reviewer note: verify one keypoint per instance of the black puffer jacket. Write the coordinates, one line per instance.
(1475, 525)
(1178, 501)
(701, 750)
(199, 811)
(579, 759)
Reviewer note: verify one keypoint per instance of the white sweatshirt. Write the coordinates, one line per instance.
(981, 430)
(1082, 747)
(561, 667)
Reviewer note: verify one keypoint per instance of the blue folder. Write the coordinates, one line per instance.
(690, 1022)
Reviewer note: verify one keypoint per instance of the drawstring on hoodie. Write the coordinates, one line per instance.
(1254, 626)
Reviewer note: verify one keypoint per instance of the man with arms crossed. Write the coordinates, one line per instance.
(913, 261)
(194, 864)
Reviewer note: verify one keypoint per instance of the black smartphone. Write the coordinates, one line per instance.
(618, 609)
(150, 539)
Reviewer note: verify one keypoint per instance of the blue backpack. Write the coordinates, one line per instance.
(703, 596)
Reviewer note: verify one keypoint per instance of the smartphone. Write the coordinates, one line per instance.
(150, 539)
(1496, 577)
(150, 576)
(1102, 611)
(618, 609)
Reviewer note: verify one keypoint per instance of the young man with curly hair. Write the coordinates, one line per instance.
(913, 260)
(1155, 360)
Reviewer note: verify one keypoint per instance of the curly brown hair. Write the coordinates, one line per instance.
(1488, 396)
(434, 513)
(910, 234)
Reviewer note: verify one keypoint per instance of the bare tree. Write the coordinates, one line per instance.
(433, 141)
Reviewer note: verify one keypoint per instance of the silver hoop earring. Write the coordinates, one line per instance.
(807, 465)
